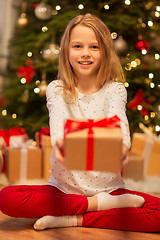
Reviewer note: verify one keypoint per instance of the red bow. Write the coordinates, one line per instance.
(139, 100)
(15, 131)
(43, 131)
(75, 125)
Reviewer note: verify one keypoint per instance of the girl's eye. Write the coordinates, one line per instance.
(77, 46)
(95, 47)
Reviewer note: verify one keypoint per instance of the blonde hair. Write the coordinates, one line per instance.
(110, 64)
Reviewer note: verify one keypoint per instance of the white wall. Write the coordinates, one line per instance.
(8, 16)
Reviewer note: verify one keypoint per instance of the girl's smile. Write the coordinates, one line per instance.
(84, 52)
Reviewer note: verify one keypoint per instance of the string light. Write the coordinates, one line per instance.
(157, 14)
(146, 118)
(151, 75)
(36, 90)
(29, 54)
(157, 128)
(138, 61)
(150, 23)
(152, 114)
(158, 8)
(4, 112)
(80, 6)
(157, 56)
(127, 2)
(37, 82)
(58, 7)
(23, 80)
(126, 84)
(139, 107)
(144, 51)
(152, 85)
(128, 67)
(114, 35)
(44, 29)
(106, 6)
(14, 115)
(133, 64)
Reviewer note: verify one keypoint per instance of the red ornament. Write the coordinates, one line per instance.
(28, 72)
(141, 45)
(139, 100)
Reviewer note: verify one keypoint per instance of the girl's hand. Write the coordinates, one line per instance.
(124, 155)
(59, 146)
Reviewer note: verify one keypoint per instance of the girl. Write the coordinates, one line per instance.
(88, 88)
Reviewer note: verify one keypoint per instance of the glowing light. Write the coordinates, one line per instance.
(143, 25)
(138, 61)
(4, 112)
(126, 84)
(127, 2)
(157, 128)
(151, 75)
(152, 85)
(139, 107)
(157, 56)
(157, 14)
(114, 35)
(54, 12)
(37, 90)
(23, 80)
(106, 6)
(128, 67)
(80, 6)
(158, 8)
(133, 64)
(146, 117)
(44, 29)
(159, 85)
(144, 51)
(29, 54)
(150, 23)
(58, 7)
(37, 82)
(14, 115)
(152, 114)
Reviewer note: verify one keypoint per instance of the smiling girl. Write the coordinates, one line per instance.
(89, 87)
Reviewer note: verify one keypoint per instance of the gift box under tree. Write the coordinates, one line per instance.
(23, 163)
(43, 140)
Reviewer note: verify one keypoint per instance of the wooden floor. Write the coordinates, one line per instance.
(22, 229)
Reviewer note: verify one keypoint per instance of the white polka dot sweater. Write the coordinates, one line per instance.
(110, 100)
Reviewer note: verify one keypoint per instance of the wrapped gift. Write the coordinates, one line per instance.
(46, 152)
(93, 145)
(43, 140)
(15, 135)
(134, 169)
(23, 163)
(148, 146)
(154, 162)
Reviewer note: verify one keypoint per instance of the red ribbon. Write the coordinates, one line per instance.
(43, 131)
(15, 131)
(75, 125)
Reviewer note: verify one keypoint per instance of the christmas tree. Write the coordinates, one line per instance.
(34, 48)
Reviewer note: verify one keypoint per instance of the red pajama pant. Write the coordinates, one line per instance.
(37, 201)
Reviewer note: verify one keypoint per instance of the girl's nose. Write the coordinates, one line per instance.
(86, 52)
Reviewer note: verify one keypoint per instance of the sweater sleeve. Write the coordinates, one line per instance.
(56, 108)
(117, 106)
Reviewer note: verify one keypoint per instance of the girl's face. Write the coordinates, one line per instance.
(84, 52)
